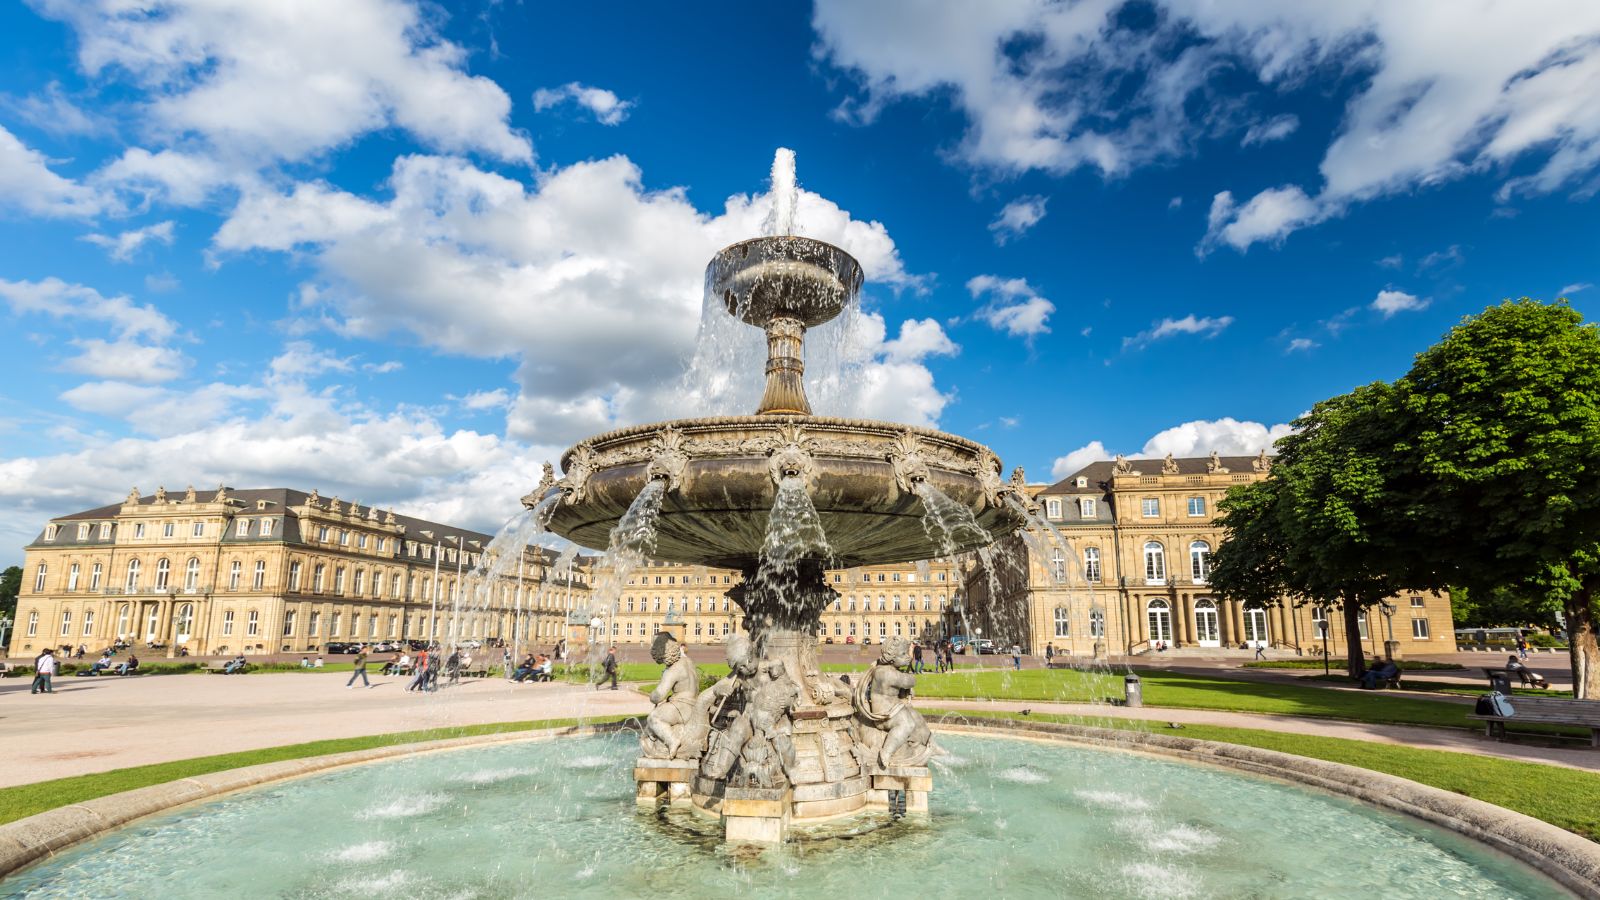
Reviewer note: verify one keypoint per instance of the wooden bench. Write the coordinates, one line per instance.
(1526, 677)
(476, 670)
(1546, 711)
(219, 667)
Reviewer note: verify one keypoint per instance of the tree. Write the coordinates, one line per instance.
(1502, 607)
(10, 587)
(1321, 529)
(1500, 461)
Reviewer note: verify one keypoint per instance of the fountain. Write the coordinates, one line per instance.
(781, 495)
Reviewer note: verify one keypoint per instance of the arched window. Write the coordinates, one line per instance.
(1058, 564)
(1155, 563)
(1097, 623)
(191, 574)
(1091, 563)
(123, 613)
(1199, 561)
(1063, 623)
(133, 575)
(185, 620)
(1205, 623)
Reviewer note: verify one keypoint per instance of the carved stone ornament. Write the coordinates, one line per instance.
(1019, 480)
(910, 466)
(546, 482)
(1262, 463)
(315, 499)
(790, 454)
(388, 517)
(882, 702)
(335, 507)
(161, 494)
(188, 495)
(667, 732)
(1123, 466)
(222, 494)
(355, 508)
(1214, 465)
(574, 484)
(1169, 466)
(986, 468)
(133, 497)
(668, 459)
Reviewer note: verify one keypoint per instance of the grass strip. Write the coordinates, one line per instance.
(25, 800)
(1337, 665)
(1563, 797)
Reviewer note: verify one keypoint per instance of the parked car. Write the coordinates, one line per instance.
(471, 644)
(334, 647)
(827, 640)
(985, 646)
(850, 639)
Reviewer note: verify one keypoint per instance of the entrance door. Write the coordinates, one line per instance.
(153, 623)
(1255, 628)
(1205, 624)
(1160, 621)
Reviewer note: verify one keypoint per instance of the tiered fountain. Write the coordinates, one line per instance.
(780, 495)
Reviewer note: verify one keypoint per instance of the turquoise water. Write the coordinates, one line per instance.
(1010, 818)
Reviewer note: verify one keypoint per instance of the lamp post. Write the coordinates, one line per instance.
(433, 616)
(1388, 609)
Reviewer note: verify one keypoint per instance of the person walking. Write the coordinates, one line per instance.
(1522, 647)
(44, 668)
(1049, 655)
(419, 679)
(432, 672)
(360, 669)
(1016, 657)
(452, 666)
(608, 669)
(1261, 651)
(916, 659)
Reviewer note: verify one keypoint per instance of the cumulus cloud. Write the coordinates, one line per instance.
(58, 299)
(28, 184)
(605, 106)
(1077, 459)
(1046, 86)
(1390, 302)
(1017, 217)
(1274, 129)
(1014, 307)
(128, 360)
(1227, 436)
(1205, 326)
(479, 401)
(124, 245)
(1268, 217)
(919, 338)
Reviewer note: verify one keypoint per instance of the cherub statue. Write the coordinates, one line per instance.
(764, 733)
(881, 703)
(674, 699)
(732, 689)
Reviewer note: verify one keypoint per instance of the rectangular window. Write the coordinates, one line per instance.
(362, 543)
(252, 627)
(50, 532)
(1361, 624)
(344, 538)
(322, 534)
(260, 580)
(334, 631)
(361, 576)
(1319, 622)
(1150, 507)
(1416, 601)
(1086, 507)
(1419, 629)
(1063, 624)
(244, 527)
(1052, 507)
(288, 623)
(316, 578)
(72, 577)
(94, 577)
(338, 580)
(138, 530)
(1197, 506)
(227, 622)
(38, 579)
(83, 531)
(1091, 564)
(66, 622)
(33, 623)
(199, 530)
(105, 531)
(294, 575)
(316, 623)
(88, 622)
(167, 530)
(266, 527)
(233, 575)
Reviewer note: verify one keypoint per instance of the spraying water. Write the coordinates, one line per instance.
(785, 195)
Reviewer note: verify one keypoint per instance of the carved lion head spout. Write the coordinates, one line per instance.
(546, 482)
(669, 461)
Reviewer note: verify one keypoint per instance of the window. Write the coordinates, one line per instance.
(38, 578)
(1082, 482)
(1097, 624)
(227, 622)
(358, 582)
(163, 571)
(1416, 601)
(1197, 506)
(138, 530)
(1155, 563)
(1199, 561)
(252, 627)
(260, 580)
(88, 622)
(83, 531)
(105, 531)
(316, 623)
(1052, 507)
(33, 623)
(334, 629)
(883, 629)
(199, 529)
(1091, 563)
(167, 529)
(244, 527)
(316, 577)
(94, 577)
(50, 531)
(1063, 625)
(66, 622)
(344, 538)
(1150, 508)
(880, 576)
(362, 542)
(896, 577)
(132, 583)
(394, 626)
(294, 575)
(288, 622)
(1086, 507)
(322, 534)
(234, 570)
(1319, 621)
(1361, 624)
(338, 580)
(1419, 629)
(377, 587)
(72, 577)
(191, 574)
(372, 626)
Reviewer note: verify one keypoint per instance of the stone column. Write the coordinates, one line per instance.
(1185, 619)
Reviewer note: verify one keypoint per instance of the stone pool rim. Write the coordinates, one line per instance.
(1571, 861)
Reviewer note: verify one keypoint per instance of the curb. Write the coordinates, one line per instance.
(1568, 859)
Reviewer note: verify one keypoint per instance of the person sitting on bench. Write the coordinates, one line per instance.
(1381, 673)
(104, 662)
(1528, 676)
(236, 664)
(131, 667)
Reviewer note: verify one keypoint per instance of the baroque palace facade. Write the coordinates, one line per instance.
(1123, 563)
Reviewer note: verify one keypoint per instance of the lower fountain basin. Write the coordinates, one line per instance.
(723, 475)
(1010, 818)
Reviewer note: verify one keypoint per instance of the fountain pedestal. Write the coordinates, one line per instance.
(666, 780)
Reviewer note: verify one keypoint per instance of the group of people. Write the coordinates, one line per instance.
(534, 667)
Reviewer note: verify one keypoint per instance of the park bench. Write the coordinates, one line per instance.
(7, 669)
(478, 669)
(1546, 711)
(219, 667)
(1527, 678)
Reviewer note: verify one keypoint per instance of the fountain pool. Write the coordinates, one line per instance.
(1016, 819)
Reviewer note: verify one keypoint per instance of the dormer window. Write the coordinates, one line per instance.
(244, 527)
(1082, 482)
(105, 531)
(50, 531)
(261, 504)
(1086, 507)
(83, 531)
(1052, 507)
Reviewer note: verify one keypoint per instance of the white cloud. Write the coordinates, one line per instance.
(1017, 217)
(478, 401)
(301, 360)
(1440, 258)
(1390, 302)
(186, 179)
(260, 83)
(124, 245)
(1045, 85)
(1300, 345)
(1393, 261)
(383, 368)
(1205, 326)
(1575, 287)
(1274, 129)
(919, 338)
(1175, 203)
(127, 360)
(606, 107)
(1227, 436)
(1077, 459)
(54, 113)
(1269, 217)
(58, 299)
(28, 184)
(1014, 307)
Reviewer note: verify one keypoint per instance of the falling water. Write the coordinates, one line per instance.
(631, 544)
(952, 526)
(785, 195)
(794, 533)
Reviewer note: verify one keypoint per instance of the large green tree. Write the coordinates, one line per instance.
(10, 587)
(1500, 463)
(1321, 530)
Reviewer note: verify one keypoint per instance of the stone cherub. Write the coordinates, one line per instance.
(709, 708)
(882, 703)
(763, 734)
(674, 698)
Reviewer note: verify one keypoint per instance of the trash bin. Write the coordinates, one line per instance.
(1500, 681)
(1132, 692)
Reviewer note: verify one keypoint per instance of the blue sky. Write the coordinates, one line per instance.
(403, 253)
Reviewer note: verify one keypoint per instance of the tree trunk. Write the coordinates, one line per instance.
(1355, 660)
(1582, 644)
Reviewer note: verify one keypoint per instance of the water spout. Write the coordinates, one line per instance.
(785, 195)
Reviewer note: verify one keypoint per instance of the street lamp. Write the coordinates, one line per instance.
(1388, 609)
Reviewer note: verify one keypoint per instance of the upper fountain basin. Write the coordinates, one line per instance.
(784, 277)
(722, 475)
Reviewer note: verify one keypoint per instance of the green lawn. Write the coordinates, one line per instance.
(1337, 665)
(1563, 797)
(28, 799)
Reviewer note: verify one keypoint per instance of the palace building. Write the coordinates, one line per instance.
(1122, 562)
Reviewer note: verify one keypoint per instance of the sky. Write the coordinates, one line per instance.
(405, 252)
